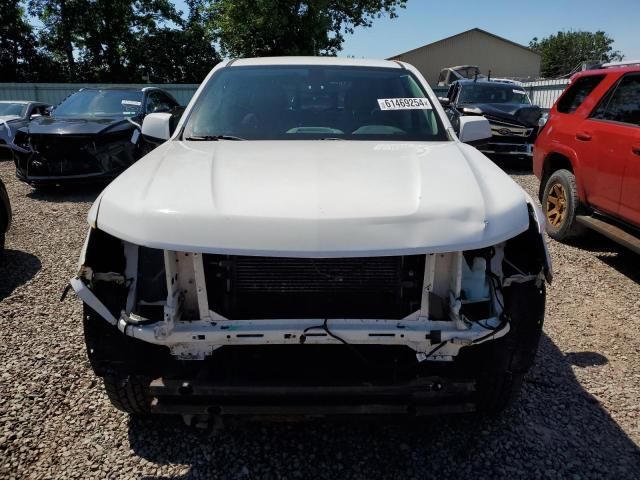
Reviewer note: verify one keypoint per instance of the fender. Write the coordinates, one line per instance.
(536, 216)
(570, 154)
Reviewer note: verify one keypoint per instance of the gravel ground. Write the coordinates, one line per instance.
(578, 416)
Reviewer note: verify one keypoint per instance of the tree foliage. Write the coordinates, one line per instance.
(119, 41)
(111, 40)
(564, 52)
(184, 55)
(21, 59)
(125, 41)
(250, 28)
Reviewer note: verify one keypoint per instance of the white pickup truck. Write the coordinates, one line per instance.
(313, 238)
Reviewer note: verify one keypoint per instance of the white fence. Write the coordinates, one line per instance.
(544, 93)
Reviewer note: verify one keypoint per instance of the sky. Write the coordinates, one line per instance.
(426, 21)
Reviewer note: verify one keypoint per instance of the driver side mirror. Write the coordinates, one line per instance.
(157, 126)
(444, 101)
(474, 129)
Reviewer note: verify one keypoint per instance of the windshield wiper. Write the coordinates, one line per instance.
(212, 138)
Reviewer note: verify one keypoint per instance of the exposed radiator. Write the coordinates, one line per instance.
(270, 287)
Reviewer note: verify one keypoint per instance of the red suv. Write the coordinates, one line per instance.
(587, 157)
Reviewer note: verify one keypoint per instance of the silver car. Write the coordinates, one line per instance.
(15, 114)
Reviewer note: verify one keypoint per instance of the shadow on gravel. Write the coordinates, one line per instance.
(586, 359)
(67, 193)
(626, 262)
(16, 268)
(555, 430)
(611, 253)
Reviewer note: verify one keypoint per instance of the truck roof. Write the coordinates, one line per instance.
(327, 61)
(631, 67)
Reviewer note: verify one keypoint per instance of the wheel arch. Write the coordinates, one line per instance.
(558, 160)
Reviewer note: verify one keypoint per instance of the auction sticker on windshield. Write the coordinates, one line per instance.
(404, 104)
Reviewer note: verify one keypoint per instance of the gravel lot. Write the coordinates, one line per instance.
(578, 416)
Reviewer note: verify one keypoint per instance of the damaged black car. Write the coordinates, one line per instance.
(514, 120)
(94, 134)
(15, 114)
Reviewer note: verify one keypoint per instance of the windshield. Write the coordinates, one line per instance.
(498, 93)
(12, 109)
(100, 103)
(314, 102)
(467, 72)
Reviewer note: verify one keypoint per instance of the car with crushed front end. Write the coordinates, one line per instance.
(313, 238)
(94, 134)
(15, 114)
(514, 120)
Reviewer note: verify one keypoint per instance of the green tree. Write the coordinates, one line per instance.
(564, 52)
(246, 28)
(184, 55)
(20, 57)
(60, 21)
(114, 33)
(97, 40)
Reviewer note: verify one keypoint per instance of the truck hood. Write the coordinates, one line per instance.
(312, 199)
(527, 115)
(78, 126)
(9, 118)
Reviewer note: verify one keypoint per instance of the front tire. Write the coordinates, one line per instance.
(499, 366)
(129, 394)
(561, 204)
(127, 365)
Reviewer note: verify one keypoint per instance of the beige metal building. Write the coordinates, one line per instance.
(474, 47)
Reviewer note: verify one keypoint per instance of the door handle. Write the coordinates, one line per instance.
(635, 149)
(585, 137)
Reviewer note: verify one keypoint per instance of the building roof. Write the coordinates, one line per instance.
(603, 71)
(479, 30)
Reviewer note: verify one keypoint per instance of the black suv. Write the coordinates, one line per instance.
(93, 134)
(514, 120)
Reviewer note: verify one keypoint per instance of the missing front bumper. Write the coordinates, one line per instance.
(425, 396)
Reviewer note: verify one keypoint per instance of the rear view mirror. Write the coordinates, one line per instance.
(473, 129)
(157, 126)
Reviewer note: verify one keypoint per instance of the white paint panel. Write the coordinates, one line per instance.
(283, 198)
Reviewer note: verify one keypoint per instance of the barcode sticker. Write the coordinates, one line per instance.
(404, 104)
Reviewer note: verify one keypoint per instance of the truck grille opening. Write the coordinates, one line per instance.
(60, 155)
(242, 287)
